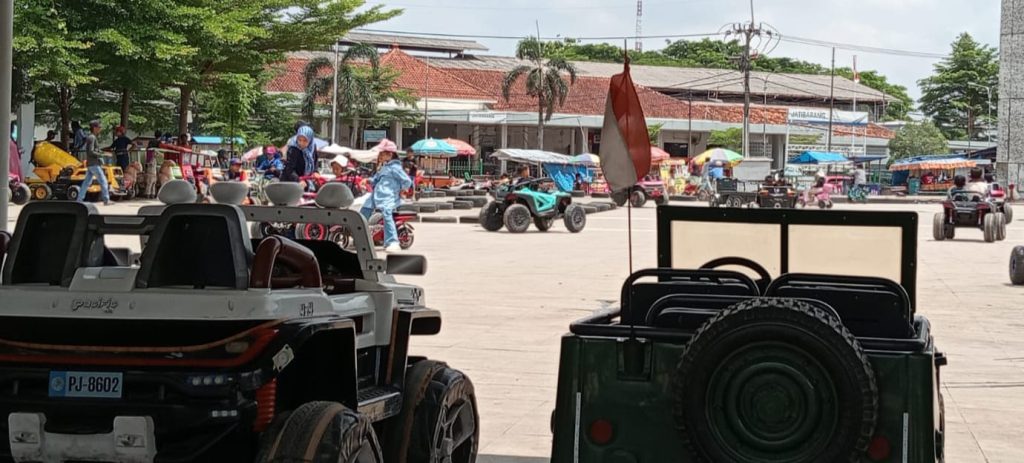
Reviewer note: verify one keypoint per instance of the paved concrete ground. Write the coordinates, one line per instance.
(507, 299)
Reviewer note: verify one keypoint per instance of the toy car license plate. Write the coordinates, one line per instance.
(88, 384)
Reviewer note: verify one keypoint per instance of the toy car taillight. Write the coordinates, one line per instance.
(601, 431)
(879, 449)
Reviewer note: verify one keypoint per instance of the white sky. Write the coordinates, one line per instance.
(915, 25)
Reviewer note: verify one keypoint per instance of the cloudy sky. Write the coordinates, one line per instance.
(914, 25)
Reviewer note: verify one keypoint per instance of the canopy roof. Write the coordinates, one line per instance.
(818, 157)
(532, 156)
(936, 162)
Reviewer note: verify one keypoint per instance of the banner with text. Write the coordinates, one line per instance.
(820, 116)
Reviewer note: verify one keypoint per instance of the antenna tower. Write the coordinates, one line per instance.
(639, 44)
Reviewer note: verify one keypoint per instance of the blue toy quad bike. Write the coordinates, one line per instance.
(514, 207)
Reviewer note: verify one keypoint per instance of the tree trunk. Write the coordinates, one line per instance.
(540, 122)
(354, 138)
(184, 103)
(64, 107)
(126, 98)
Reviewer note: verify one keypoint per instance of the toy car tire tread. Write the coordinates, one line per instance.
(1017, 265)
(322, 431)
(517, 218)
(491, 216)
(431, 390)
(20, 194)
(73, 192)
(727, 348)
(575, 218)
(41, 192)
(939, 226)
(543, 224)
(989, 228)
(1008, 212)
(638, 198)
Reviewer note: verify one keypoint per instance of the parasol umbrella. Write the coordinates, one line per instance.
(432, 147)
(587, 159)
(252, 154)
(729, 158)
(461, 148)
(334, 149)
(659, 155)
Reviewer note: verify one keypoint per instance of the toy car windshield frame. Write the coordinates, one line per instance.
(842, 243)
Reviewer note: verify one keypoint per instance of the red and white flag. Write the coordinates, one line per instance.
(625, 147)
(856, 75)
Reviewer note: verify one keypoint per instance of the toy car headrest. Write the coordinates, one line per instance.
(334, 196)
(177, 192)
(284, 193)
(229, 192)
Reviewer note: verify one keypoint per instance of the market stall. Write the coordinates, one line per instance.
(932, 173)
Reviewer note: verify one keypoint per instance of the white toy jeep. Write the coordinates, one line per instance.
(209, 346)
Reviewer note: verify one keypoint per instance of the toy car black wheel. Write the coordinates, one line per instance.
(661, 200)
(41, 192)
(1000, 226)
(405, 238)
(311, 231)
(939, 226)
(990, 228)
(1008, 212)
(575, 218)
(620, 198)
(491, 216)
(1017, 265)
(637, 198)
(20, 194)
(439, 419)
(130, 193)
(320, 431)
(775, 380)
(543, 224)
(950, 231)
(517, 218)
(73, 192)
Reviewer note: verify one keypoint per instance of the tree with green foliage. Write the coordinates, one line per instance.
(955, 96)
(917, 138)
(544, 80)
(229, 103)
(361, 86)
(730, 139)
(896, 109)
(246, 36)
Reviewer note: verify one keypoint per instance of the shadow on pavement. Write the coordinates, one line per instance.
(508, 459)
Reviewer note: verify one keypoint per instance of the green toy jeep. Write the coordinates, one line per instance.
(764, 336)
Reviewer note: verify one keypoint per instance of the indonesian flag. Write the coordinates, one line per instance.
(625, 147)
(856, 75)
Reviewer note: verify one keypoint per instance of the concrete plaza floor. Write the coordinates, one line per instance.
(507, 299)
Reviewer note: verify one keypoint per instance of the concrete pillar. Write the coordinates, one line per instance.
(26, 133)
(396, 134)
(778, 150)
(1010, 160)
(503, 143)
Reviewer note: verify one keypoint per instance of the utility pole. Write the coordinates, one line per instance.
(639, 44)
(831, 100)
(767, 37)
(334, 97)
(6, 58)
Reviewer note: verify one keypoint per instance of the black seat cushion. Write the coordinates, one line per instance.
(642, 296)
(868, 307)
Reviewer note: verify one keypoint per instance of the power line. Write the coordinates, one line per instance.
(861, 48)
(521, 37)
(521, 8)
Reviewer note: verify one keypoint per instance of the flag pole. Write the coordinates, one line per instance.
(629, 192)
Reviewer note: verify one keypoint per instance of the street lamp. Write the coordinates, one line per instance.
(988, 131)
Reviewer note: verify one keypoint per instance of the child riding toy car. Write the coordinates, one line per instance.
(516, 206)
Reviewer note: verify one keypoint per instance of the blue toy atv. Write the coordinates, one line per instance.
(514, 207)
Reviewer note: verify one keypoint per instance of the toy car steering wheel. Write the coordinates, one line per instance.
(764, 278)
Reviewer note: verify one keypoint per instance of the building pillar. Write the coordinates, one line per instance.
(396, 134)
(27, 133)
(503, 143)
(778, 151)
(1010, 153)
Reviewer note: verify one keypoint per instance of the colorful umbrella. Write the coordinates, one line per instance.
(432, 147)
(729, 158)
(587, 159)
(659, 155)
(252, 154)
(461, 148)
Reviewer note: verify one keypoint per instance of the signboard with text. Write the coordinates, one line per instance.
(373, 136)
(820, 116)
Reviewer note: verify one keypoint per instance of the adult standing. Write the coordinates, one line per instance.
(301, 157)
(153, 146)
(121, 146)
(78, 137)
(388, 184)
(94, 165)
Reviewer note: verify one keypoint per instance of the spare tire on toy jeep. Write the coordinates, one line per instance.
(775, 380)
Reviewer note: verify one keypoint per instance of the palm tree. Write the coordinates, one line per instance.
(543, 81)
(358, 90)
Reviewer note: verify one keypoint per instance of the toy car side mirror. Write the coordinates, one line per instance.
(406, 264)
